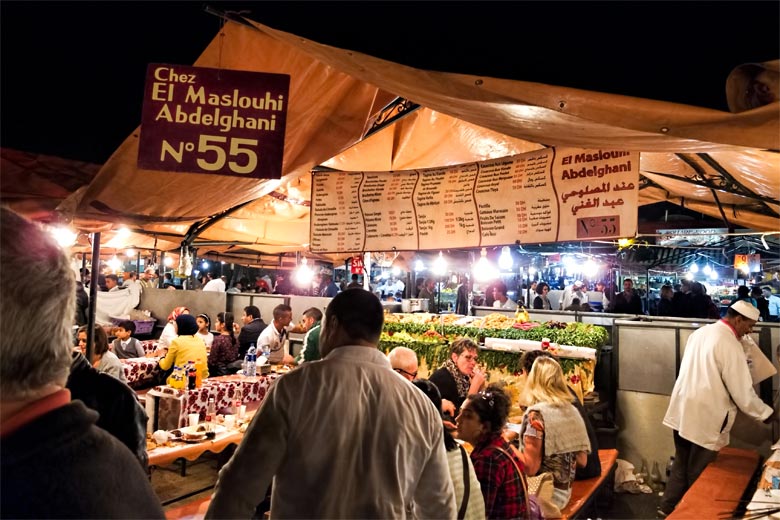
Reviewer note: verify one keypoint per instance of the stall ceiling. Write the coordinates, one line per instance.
(721, 164)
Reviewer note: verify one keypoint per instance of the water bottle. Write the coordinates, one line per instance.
(657, 482)
(266, 352)
(251, 361)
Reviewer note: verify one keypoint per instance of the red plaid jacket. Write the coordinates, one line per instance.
(498, 478)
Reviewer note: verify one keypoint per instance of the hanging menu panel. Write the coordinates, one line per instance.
(543, 196)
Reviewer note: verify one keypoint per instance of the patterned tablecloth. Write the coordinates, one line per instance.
(150, 346)
(168, 407)
(139, 371)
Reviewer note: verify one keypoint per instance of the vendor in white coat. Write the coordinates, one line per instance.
(714, 381)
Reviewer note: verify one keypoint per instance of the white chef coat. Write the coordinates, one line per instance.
(714, 381)
(344, 437)
(215, 285)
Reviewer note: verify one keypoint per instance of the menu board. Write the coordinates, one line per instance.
(550, 195)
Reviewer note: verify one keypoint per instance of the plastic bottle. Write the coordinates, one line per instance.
(176, 380)
(656, 481)
(643, 474)
(211, 414)
(199, 366)
(238, 400)
(191, 375)
(251, 362)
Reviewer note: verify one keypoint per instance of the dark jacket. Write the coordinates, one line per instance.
(623, 305)
(248, 335)
(120, 413)
(447, 386)
(593, 466)
(61, 465)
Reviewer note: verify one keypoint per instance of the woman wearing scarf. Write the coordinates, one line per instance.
(186, 347)
(459, 376)
(169, 333)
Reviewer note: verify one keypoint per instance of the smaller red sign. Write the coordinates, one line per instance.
(201, 120)
(356, 265)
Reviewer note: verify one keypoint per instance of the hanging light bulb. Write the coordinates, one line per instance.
(483, 269)
(590, 269)
(130, 253)
(64, 236)
(689, 275)
(707, 269)
(168, 261)
(419, 266)
(304, 275)
(440, 265)
(713, 275)
(115, 263)
(694, 268)
(505, 260)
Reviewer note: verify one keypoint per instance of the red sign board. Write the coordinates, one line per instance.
(356, 265)
(225, 122)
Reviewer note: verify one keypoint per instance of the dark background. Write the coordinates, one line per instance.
(73, 72)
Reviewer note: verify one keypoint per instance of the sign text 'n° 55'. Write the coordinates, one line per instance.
(203, 120)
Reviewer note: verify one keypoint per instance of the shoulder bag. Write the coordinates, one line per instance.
(533, 510)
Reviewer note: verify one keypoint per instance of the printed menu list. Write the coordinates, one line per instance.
(533, 197)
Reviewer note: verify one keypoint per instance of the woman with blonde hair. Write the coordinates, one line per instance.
(553, 434)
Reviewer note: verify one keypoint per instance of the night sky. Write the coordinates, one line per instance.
(73, 72)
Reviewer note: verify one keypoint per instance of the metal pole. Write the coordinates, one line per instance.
(161, 278)
(138, 264)
(93, 289)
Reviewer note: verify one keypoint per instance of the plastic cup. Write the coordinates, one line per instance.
(193, 419)
(230, 421)
(242, 411)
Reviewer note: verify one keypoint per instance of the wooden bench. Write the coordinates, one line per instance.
(719, 489)
(584, 493)
(191, 510)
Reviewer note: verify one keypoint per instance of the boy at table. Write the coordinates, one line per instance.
(273, 337)
(125, 346)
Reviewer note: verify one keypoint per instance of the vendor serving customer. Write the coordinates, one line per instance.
(459, 377)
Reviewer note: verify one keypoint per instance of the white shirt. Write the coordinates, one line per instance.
(344, 437)
(508, 304)
(168, 334)
(476, 506)
(569, 294)
(714, 381)
(275, 340)
(215, 285)
(208, 338)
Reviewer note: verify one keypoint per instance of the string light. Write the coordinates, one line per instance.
(484, 271)
(505, 260)
(304, 275)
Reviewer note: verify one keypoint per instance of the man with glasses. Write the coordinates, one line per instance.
(404, 361)
(459, 377)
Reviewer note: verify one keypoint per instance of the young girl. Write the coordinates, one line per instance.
(204, 324)
(224, 349)
(102, 359)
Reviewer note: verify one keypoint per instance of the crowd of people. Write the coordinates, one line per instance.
(350, 432)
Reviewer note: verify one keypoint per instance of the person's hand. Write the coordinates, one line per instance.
(288, 360)
(477, 381)
(509, 435)
(448, 407)
(449, 425)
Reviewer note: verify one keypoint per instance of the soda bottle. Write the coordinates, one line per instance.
(211, 414)
(238, 399)
(191, 375)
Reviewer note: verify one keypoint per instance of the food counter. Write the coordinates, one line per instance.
(502, 344)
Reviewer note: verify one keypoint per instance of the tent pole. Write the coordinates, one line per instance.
(93, 289)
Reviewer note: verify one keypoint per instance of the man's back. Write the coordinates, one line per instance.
(61, 465)
(364, 443)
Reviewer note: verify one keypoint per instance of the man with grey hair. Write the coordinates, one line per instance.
(404, 361)
(51, 447)
(361, 444)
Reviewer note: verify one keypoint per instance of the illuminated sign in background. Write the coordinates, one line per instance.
(201, 120)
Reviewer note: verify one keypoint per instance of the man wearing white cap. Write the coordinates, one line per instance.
(714, 381)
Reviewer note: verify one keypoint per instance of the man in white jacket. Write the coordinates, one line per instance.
(714, 381)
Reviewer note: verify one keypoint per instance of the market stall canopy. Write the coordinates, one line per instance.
(721, 164)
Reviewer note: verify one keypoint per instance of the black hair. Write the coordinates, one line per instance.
(359, 314)
(540, 287)
(432, 392)
(253, 311)
(280, 309)
(529, 356)
(313, 312)
(492, 406)
(226, 318)
(101, 339)
(128, 325)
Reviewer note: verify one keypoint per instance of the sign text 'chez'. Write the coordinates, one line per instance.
(202, 120)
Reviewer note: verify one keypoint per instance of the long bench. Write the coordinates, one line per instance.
(718, 491)
(585, 493)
